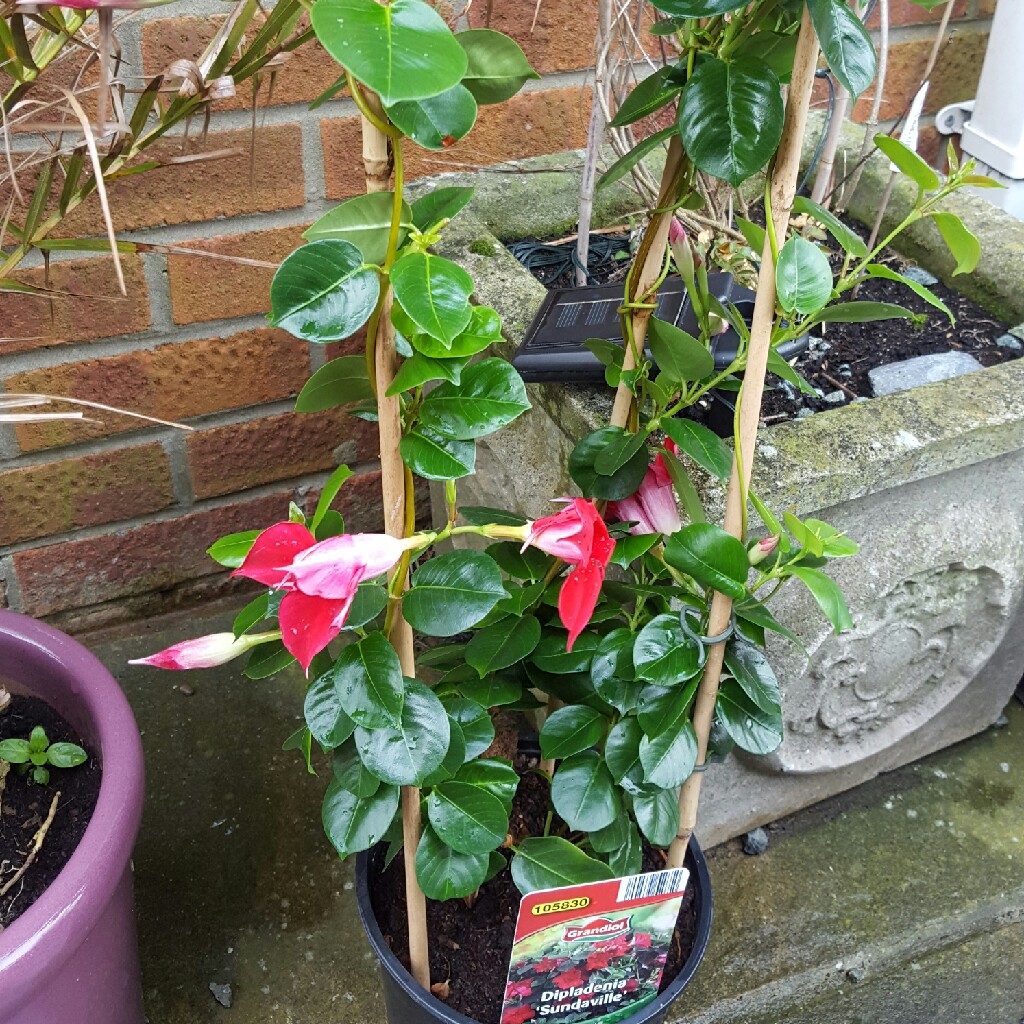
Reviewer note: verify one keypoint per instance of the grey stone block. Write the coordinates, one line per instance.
(921, 276)
(911, 373)
(1011, 341)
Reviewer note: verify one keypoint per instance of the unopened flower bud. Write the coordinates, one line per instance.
(761, 549)
(681, 251)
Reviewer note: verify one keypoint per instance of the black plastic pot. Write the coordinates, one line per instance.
(407, 1003)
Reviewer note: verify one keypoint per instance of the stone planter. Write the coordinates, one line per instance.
(925, 480)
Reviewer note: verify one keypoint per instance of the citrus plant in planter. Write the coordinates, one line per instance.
(617, 615)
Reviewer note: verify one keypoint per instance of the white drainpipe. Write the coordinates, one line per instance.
(993, 123)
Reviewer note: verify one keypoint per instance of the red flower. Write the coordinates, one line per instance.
(547, 965)
(598, 960)
(632, 985)
(578, 536)
(570, 978)
(642, 940)
(518, 1014)
(518, 989)
(653, 508)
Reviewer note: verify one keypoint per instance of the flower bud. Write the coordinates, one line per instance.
(761, 549)
(681, 251)
(205, 651)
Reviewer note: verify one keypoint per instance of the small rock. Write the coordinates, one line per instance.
(845, 371)
(789, 390)
(755, 843)
(911, 373)
(855, 974)
(835, 398)
(222, 993)
(1010, 342)
(186, 690)
(804, 413)
(921, 276)
(1002, 722)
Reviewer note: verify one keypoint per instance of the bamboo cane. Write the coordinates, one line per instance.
(397, 502)
(783, 189)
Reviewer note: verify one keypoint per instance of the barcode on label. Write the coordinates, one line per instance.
(658, 883)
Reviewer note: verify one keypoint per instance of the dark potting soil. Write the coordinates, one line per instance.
(470, 945)
(24, 806)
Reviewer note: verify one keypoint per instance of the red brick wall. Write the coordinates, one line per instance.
(101, 521)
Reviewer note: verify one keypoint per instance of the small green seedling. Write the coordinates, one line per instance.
(37, 752)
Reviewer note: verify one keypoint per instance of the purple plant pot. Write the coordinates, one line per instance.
(72, 956)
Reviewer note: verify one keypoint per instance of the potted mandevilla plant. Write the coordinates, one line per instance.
(638, 637)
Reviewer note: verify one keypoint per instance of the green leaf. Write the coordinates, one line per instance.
(657, 814)
(498, 68)
(663, 654)
(503, 644)
(846, 43)
(752, 671)
(475, 722)
(678, 354)
(779, 366)
(255, 611)
(439, 204)
(828, 595)
(803, 536)
(964, 246)
(483, 330)
(325, 718)
(355, 823)
(834, 543)
(369, 602)
(750, 727)
(583, 792)
(767, 517)
(612, 671)
(489, 396)
(230, 551)
(611, 837)
(648, 96)
(622, 748)
(862, 312)
(497, 777)
(328, 494)
(664, 707)
(15, 751)
(434, 293)
(880, 270)
(629, 548)
(418, 369)
(481, 515)
(619, 452)
(698, 8)
(406, 753)
(803, 277)
(493, 690)
(570, 730)
(435, 457)
(628, 858)
(267, 660)
(323, 291)
(454, 758)
(754, 611)
(302, 741)
(582, 466)
(551, 656)
(711, 556)
(845, 236)
(776, 49)
(403, 51)
(368, 679)
(730, 117)
(438, 121)
(468, 818)
(908, 162)
(704, 446)
(626, 163)
(548, 862)
(350, 773)
(444, 873)
(365, 221)
(669, 758)
(342, 381)
(452, 593)
(531, 564)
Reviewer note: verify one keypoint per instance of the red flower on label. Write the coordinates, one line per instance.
(642, 940)
(518, 1014)
(632, 985)
(570, 979)
(619, 946)
(547, 965)
(518, 989)
(596, 961)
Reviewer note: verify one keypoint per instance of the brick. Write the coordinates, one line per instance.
(986, 8)
(528, 125)
(906, 12)
(204, 289)
(177, 381)
(238, 456)
(186, 189)
(88, 305)
(547, 43)
(42, 500)
(126, 563)
(956, 75)
(306, 73)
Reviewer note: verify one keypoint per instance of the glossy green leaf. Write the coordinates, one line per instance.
(369, 602)
(497, 777)
(323, 291)
(434, 293)
(835, 544)
(623, 482)
(626, 163)
(439, 204)
(619, 452)
(503, 644)
(475, 722)
(846, 43)
(15, 751)
(548, 862)
(754, 611)
(845, 236)
(776, 49)
(964, 246)
(444, 873)
(66, 755)
(730, 117)
(468, 818)
(628, 859)
(755, 676)
(803, 277)
(454, 758)
(482, 331)
(622, 748)
(405, 753)
(435, 457)
(267, 660)
(861, 312)
(402, 51)
(230, 551)
(583, 792)
(750, 727)
(498, 68)
(880, 270)
(492, 690)
(828, 595)
(698, 8)
(438, 121)
(418, 369)
(368, 680)
(711, 556)
(663, 655)
(647, 97)
(704, 446)
(611, 837)
(489, 396)
(678, 354)
(350, 773)
(342, 381)
(355, 823)
(908, 162)
(669, 758)
(629, 548)
(551, 656)
(779, 366)
(753, 233)
(657, 814)
(528, 564)
(452, 593)
(365, 221)
(612, 671)
(665, 707)
(570, 730)
(326, 719)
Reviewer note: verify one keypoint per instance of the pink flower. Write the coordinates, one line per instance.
(518, 989)
(320, 579)
(204, 651)
(653, 508)
(761, 549)
(576, 535)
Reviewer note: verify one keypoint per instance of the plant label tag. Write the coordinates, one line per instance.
(593, 952)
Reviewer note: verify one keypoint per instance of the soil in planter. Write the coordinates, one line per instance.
(24, 806)
(470, 947)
